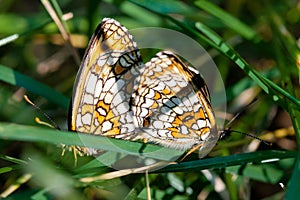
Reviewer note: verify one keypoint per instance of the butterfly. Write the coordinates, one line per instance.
(163, 101)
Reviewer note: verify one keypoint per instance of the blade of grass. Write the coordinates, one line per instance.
(12, 77)
(9, 168)
(293, 185)
(162, 6)
(13, 187)
(226, 161)
(284, 39)
(8, 39)
(229, 20)
(268, 86)
(264, 173)
(57, 181)
(56, 15)
(34, 134)
(245, 83)
(59, 14)
(31, 27)
(12, 159)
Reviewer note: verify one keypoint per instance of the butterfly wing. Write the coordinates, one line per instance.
(115, 95)
(104, 84)
(171, 104)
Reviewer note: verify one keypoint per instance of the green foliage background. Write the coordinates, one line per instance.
(255, 45)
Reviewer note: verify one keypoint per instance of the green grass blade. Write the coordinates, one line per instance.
(263, 173)
(13, 77)
(245, 83)
(227, 161)
(34, 134)
(294, 183)
(289, 54)
(59, 14)
(268, 86)
(162, 6)
(9, 168)
(229, 20)
(28, 26)
(58, 182)
(13, 160)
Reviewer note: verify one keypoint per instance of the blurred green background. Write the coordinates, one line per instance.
(255, 45)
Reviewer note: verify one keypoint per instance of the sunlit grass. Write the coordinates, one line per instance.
(258, 57)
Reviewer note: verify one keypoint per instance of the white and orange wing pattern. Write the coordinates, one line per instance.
(171, 104)
(163, 102)
(104, 84)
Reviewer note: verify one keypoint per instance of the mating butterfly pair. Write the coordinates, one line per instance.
(163, 101)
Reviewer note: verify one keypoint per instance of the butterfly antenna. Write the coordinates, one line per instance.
(240, 112)
(52, 125)
(224, 133)
(253, 136)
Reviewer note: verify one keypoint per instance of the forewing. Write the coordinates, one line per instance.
(104, 84)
